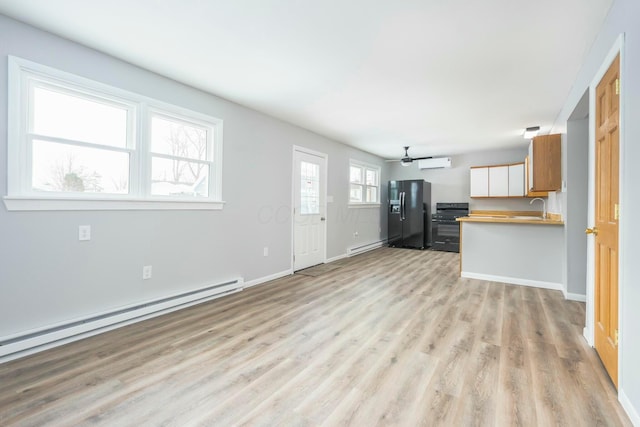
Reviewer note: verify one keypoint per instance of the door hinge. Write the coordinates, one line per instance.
(617, 86)
(616, 212)
(616, 337)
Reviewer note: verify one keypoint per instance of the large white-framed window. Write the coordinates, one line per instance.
(364, 184)
(76, 144)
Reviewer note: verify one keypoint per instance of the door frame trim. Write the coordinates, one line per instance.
(589, 330)
(305, 150)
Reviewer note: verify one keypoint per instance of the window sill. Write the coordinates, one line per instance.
(71, 204)
(364, 205)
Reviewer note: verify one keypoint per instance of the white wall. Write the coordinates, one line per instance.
(452, 184)
(47, 276)
(624, 17)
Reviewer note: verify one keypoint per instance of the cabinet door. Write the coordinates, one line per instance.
(529, 171)
(545, 163)
(527, 185)
(479, 182)
(499, 181)
(516, 180)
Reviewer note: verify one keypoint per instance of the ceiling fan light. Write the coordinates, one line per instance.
(405, 162)
(531, 132)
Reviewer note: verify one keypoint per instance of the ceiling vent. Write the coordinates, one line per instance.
(435, 163)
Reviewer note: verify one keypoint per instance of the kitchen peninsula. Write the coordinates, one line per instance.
(517, 247)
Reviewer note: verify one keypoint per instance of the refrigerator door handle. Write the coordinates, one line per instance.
(402, 207)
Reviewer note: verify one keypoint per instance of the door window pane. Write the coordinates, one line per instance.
(70, 117)
(309, 188)
(70, 168)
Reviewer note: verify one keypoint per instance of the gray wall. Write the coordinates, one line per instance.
(523, 254)
(576, 176)
(47, 276)
(624, 17)
(452, 184)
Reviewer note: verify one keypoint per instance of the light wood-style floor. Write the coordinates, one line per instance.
(393, 337)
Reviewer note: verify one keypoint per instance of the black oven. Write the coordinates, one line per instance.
(445, 229)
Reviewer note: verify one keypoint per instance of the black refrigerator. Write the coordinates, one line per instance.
(409, 214)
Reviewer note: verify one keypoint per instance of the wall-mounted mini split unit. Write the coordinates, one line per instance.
(435, 163)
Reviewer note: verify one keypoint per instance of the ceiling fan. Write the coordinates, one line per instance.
(407, 160)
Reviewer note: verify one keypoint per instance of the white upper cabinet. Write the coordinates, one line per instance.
(499, 181)
(479, 182)
(516, 180)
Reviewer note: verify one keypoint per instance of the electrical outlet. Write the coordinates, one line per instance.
(84, 232)
(265, 251)
(355, 234)
(146, 272)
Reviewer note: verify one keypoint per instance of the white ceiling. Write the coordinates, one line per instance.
(443, 77)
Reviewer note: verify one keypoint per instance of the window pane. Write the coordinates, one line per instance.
(179, 178)
(178, 139)
(355, 175)
(372, 194)
(69, 168)
(372, 177)
(73, 117)
(309, 188)
(355, 193)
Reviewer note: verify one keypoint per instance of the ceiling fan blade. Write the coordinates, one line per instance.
(422, 158)
(392, 160)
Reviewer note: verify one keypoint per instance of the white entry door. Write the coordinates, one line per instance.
(309, 208)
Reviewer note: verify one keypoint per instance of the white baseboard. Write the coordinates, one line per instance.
(628, 408)
(336, 258)
(356, 250)
(575, 297)
(365, 247)
(261, 280)
(512, 280)
(33, 341)
(588, 336)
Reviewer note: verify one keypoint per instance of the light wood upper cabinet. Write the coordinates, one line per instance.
(527, 175)
(545, 173)
(479, 182)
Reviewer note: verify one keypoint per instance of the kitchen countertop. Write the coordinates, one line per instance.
(512, 217)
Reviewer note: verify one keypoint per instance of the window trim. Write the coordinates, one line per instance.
(364, 166)
(21, 76)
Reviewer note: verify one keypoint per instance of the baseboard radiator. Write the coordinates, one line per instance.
(364, 248)
(18, 345)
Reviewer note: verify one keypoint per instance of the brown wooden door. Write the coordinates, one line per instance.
(606, 218)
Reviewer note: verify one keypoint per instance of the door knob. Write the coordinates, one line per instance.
(593, 231)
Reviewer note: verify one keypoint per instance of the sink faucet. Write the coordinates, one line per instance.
(544, 206)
